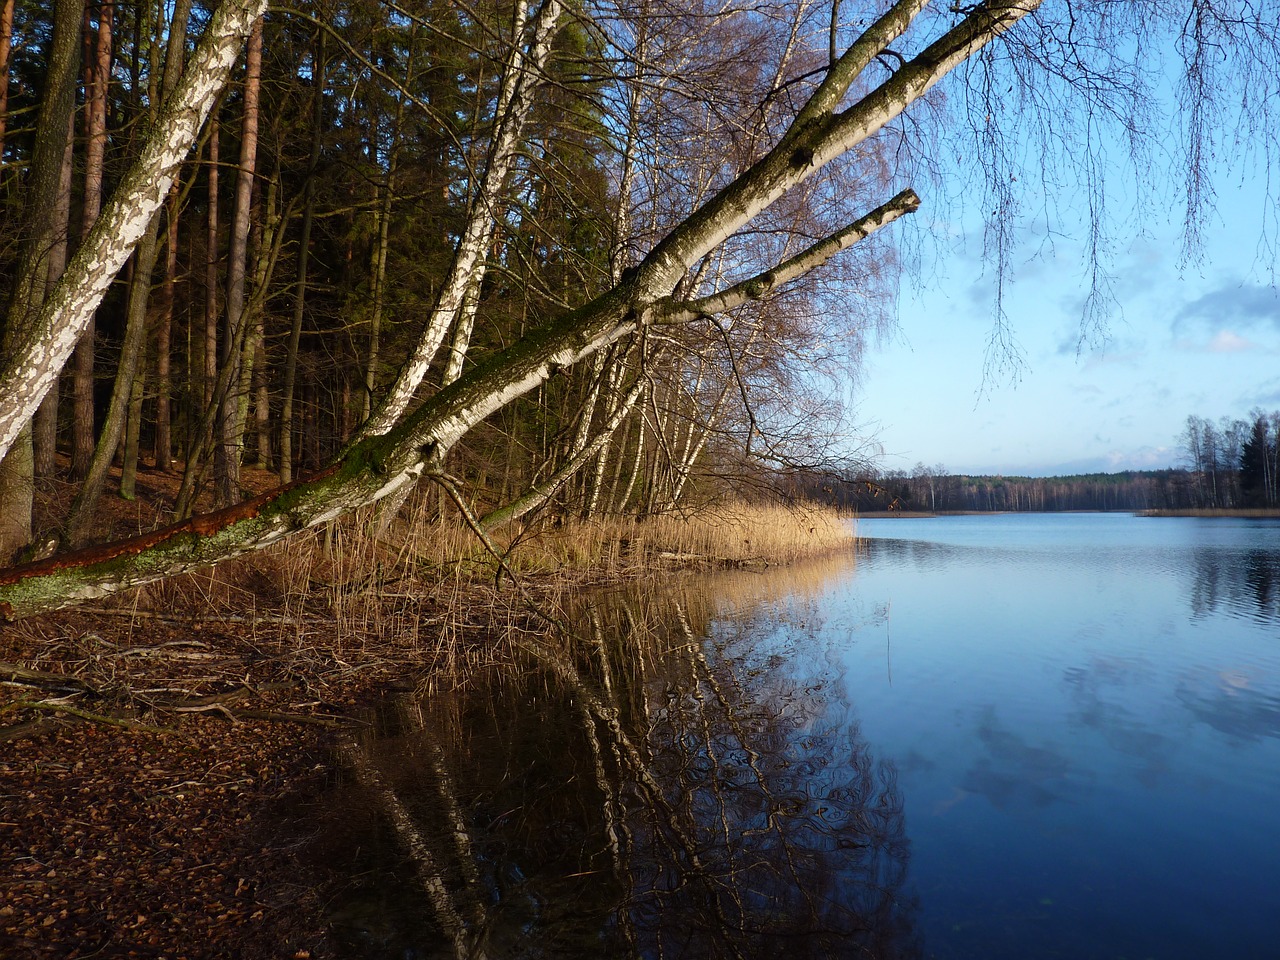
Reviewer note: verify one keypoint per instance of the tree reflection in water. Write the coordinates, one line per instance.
(635, 787)
(1241, 583)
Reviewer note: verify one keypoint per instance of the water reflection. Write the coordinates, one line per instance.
(1231, 704)
(1237, 582)
(1013, 772)
(1103, 691)
(647, 785)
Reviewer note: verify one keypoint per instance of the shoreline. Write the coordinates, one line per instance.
(1208, 512)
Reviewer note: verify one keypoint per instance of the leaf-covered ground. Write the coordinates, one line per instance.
(181, 834)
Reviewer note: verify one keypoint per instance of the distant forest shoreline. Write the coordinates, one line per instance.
(1155, 492)
(1233, 469)
(1263, 513)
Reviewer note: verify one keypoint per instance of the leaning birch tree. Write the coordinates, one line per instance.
(884, 61)
(32, 364)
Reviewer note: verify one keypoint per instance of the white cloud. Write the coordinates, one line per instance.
(1228, 341)
(1224, 341)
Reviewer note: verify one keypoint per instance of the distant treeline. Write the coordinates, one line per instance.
(1172, 489)
(1235, 463)
(1232, 464)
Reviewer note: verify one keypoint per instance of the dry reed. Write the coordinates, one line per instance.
(367, 596)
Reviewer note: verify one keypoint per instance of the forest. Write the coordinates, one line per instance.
(379, 201)
(547, 259)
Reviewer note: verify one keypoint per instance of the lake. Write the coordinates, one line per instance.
(973, 737)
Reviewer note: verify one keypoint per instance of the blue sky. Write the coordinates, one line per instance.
(1202, 339)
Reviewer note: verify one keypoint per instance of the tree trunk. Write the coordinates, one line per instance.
(163, 449)
(6, 45)
(132, 429)
(211, 309)
(227, 450)
(17, 493)
(45, 437)
(304, 259)
(42, 208)
(175, 54)
(97, 80)
(200, 437)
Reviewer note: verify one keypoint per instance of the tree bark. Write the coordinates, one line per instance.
(54, 125)
(45, 436)
(226, 469)
(173, 62)
(97, 80)
(162, 450)
(211, 306)
(6, 45)
(17, 497)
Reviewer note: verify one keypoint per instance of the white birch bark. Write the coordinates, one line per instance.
(515, 100)
(31, 368)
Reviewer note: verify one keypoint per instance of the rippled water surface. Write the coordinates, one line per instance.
(974, 737)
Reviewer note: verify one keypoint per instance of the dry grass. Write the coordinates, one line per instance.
(364, 598)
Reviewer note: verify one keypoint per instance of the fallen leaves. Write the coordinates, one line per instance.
(123, 842)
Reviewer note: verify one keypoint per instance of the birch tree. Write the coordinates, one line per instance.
(37, 355)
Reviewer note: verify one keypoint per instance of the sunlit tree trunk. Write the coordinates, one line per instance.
(41, 211)
(97, 81)
(228, 447)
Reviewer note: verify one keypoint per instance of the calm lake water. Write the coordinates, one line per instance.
(1084, 711)
(976, 737)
